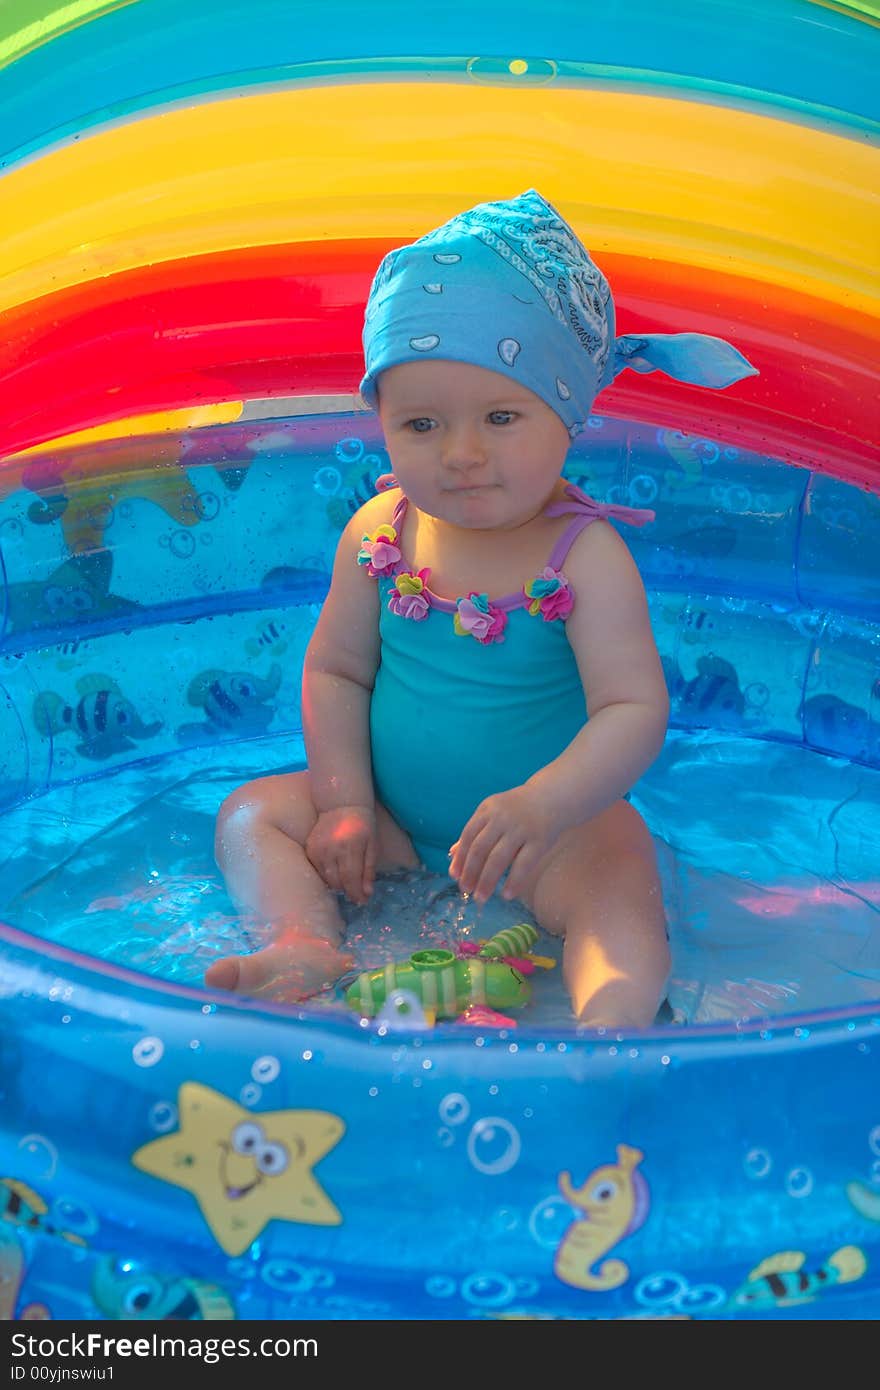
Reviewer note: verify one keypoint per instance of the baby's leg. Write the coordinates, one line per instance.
(262, 828)
(600, 889)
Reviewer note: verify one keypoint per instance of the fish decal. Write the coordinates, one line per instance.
(125, 1289)
(866, 1200)
(690, 453)
(269, 638)
(85, 505)
(711, 697)
(356, 487)
(104, 720)
(25, 1209)
(234, 702)
(835, 725)
(615, 1201)
(76, 593)
(781, 1281)
(12, 1272)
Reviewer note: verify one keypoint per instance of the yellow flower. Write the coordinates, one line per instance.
(409, 583)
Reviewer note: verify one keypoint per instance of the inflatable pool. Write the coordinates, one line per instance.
(194, 200)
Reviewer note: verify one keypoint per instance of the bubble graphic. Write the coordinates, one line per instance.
(207, 506)
(349, 450)
(701, 1299)
(874, 1140)
(504, 1220)
(288, 1277)
(454, 1109)
(488, 1290)
(73, 1217)
(549, 1221)
(148, 1052)
(493, 1145)
(425, 344)
(163, 1116)
(42, 1155)
(327, 481)
(526, 1288)
(757, 1163)
(181, 544)
(265, 1069)
(509, 350)
(439, 1286)
(799, 1182)
(643, 490)
(250, 1093)
(656, 1289)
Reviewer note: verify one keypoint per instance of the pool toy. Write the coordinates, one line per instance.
(195, 199)
(491, 975)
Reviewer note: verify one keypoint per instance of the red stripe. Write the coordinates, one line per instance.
(286, 320)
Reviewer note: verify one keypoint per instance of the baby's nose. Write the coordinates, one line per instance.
(465, 448)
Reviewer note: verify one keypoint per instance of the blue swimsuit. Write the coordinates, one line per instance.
(475, 696)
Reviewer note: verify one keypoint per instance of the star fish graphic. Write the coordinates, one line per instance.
(243, 1168)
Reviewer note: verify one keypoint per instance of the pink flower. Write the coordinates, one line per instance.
(549, 594)
(379, 552)
(407, 598)
(477, 617)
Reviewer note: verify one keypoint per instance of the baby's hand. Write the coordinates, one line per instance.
(342, 847)
(511, 830)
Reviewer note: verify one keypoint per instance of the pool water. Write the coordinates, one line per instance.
(768, 854)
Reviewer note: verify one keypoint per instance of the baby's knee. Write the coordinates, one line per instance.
(280, 802)
(237, 817)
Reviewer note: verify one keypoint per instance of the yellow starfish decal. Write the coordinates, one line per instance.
(245, 1169)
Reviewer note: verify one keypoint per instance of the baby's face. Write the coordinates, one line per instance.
(470, 446)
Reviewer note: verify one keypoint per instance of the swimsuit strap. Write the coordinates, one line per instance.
(384, 483)
(587, 509)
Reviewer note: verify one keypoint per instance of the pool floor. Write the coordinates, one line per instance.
(768, 854)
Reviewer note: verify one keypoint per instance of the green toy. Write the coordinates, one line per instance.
(491, 975)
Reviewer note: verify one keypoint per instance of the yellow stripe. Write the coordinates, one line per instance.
(156, 422)
(716, 187)
(428, 983)
(365, 993)
(478, 980)
(450, 992)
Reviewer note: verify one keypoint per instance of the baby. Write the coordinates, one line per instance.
(480, 610)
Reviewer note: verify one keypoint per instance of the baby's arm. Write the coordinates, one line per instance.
(338, 675)
(610, 632)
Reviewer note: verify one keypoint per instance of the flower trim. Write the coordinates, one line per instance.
(549, 595)
(380, 552)
(476, 617)
(407, 598)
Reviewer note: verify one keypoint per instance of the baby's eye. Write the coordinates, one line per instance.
(502, 417)
(421, 425)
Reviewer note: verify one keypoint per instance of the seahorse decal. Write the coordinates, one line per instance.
(614, 1201)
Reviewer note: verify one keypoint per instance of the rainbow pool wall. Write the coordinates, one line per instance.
(193, 201)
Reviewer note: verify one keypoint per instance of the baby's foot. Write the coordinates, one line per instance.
(286, 971)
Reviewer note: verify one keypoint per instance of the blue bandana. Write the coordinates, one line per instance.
(508, 286)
